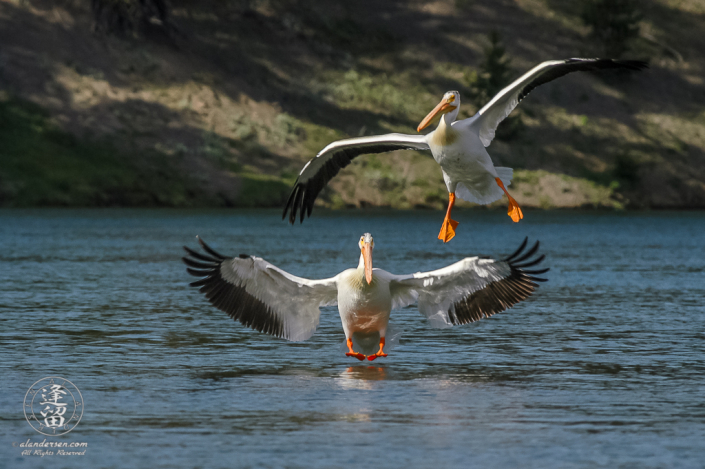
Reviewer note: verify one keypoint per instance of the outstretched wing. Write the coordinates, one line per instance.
(329, 161)
(471, 289)
(260, 295)
(488, 118)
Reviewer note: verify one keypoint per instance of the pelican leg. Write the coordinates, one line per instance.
(381, 351)
(448, 228)
(514, 211)
(351, 353)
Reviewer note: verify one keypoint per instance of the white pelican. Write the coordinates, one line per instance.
(457, 146)
(263, 297)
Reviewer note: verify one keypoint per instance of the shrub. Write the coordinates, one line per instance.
(131, 16)
(495, 73)
(614, 23)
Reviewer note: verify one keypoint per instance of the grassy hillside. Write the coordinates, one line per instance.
(45, 166)
(227, 111)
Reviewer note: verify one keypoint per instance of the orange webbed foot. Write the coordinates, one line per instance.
(447, 230)
(378, 354)
(514, 211)
(352, 353)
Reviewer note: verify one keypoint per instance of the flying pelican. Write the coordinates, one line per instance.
(266, 298)
(457, 146)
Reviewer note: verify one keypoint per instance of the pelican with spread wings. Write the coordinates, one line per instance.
(457, 146)
(266, 298)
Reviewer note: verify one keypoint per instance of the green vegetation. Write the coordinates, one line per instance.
(259, 190)
(42, 165)
(495, 73)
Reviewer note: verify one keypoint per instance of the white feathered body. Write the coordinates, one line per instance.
(467, 167)
(364, 307)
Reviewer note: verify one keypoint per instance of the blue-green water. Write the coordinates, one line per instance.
(603, 367)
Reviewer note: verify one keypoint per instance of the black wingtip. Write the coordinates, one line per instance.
(634, 64)
(528, 254)
(536, 272)
(197, 265)
(289, 201)
(538, 279)
(518, 251)
(210, 250)
(503, 293)
(611, 63)
(626, 65)
(198, 255)
(296, 206)
(529, 263)
(198, 273)
(293, 204)
(520, 260)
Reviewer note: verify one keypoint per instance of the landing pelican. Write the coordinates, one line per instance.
(457, 146)
(268, 299)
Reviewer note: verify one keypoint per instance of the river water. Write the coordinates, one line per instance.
(603, 367)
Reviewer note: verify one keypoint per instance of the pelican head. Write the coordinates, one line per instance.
(366, 244)
(448, 105)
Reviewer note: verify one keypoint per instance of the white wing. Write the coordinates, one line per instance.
(329, 161)
(260, 295)
(469, 290)
(488, 118)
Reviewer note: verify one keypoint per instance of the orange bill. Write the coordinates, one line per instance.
(440, 109)
(367, 256)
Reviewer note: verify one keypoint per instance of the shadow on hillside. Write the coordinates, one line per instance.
(272, 57)
(681, 24)
(266, 57)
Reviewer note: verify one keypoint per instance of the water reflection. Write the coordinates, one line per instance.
(368, 373)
